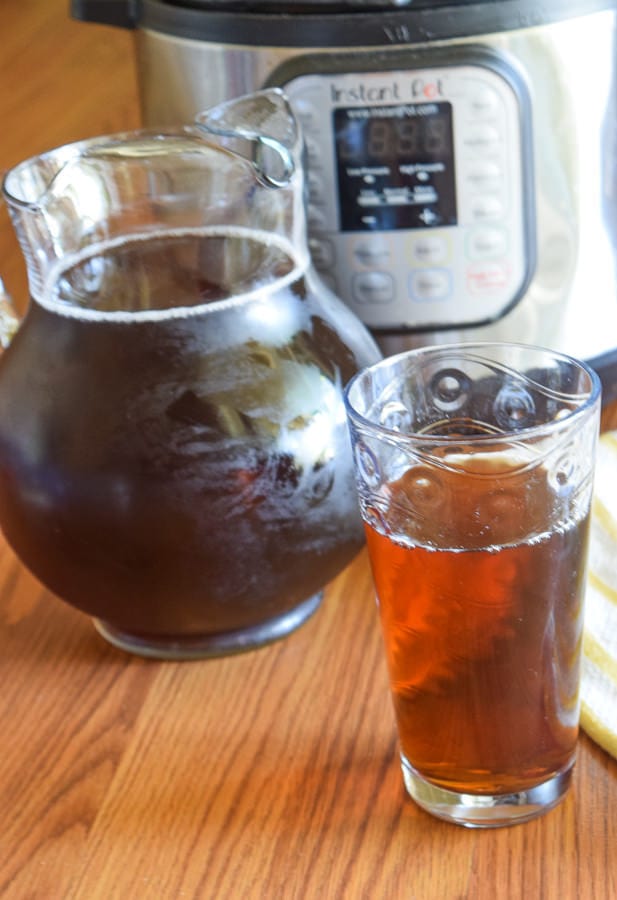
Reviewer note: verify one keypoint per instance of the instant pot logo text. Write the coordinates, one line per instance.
(418, 88)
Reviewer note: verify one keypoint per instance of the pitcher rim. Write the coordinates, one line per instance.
(74, 149)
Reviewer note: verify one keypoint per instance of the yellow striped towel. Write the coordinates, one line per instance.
(599, 681)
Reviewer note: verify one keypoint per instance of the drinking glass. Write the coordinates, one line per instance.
(474, 467)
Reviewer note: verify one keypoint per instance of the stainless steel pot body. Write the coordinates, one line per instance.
(560, 250)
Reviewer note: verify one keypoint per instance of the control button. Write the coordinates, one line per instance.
(322, 253)
(313, 152)
(483, 101)
(373, 287)
(481, 138)
(430, 284)
(315, 218)
(372, 252)
(487, 278)
(428, 216)
(483, 175)
(315, 187)
(487, 243)
(369, 198)
(486, 207)
(429, 250)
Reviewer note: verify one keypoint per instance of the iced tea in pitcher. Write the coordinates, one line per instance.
(174, 457)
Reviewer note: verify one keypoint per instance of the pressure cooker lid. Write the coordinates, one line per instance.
(331, 23)
(323, 6)
(292, 7)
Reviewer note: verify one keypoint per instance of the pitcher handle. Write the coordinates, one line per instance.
(9, 321)
(261, 128)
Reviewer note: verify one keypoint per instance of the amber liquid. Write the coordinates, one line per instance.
(483, 641)
(156, 473)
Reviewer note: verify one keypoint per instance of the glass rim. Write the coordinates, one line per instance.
(589, 399)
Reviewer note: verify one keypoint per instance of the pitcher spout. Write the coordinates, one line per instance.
(28, 190)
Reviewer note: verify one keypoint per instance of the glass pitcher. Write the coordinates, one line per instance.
(174, 459)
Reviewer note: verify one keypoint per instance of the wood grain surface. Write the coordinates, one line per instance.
(268, 775)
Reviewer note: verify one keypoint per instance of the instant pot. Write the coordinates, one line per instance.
(462, 156)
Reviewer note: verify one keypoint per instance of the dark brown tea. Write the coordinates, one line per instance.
(173, 452)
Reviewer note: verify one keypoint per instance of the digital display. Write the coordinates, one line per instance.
(395, 167)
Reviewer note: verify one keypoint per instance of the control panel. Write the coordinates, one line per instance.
(420, 194)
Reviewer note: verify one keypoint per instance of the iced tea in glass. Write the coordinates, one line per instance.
(474, 466)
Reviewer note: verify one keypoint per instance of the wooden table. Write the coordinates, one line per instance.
(268, 775)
